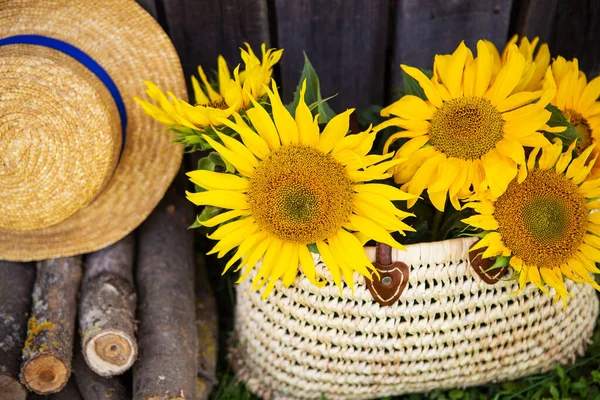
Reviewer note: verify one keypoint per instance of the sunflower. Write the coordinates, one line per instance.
(577, 99)
(469, 133)
(298, 187)
(233, 94)
(543, 222)
(536, 62)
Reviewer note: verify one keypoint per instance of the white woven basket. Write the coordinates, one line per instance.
(448, 329)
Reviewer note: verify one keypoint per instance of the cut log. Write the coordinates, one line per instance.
(48, 349)
(95, 387)
(69, 392)
(207, 329)
(107, 309)
(15, 302)
(168, 345)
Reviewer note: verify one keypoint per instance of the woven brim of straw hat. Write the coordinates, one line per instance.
(70, 181)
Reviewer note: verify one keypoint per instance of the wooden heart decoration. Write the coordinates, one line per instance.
(393, 277)
(482, 267)
(389, 286)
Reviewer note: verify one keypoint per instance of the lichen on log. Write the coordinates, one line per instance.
(48, 350)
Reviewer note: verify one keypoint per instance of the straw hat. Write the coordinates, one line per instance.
(72, 180)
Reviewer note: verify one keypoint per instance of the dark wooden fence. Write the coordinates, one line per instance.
(356, 46)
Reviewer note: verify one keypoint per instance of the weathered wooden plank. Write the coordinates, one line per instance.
(428, 27)
(533, 18)
(571, 28)
(201, 30)
(165, 277)
(345, 41)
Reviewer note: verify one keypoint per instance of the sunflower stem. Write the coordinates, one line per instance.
(437, 221)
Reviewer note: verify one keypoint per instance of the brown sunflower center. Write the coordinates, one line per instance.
(543, 219)
(466, 127)
(299, 194)
(582, 126)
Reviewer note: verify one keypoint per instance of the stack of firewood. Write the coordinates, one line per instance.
(159, 318)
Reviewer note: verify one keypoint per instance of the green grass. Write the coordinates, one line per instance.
(578, 381)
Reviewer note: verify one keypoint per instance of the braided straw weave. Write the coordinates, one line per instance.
(448, 329)
(65, 187)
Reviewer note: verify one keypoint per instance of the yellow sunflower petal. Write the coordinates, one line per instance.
(255, 255)
(589, 95)
(423, 176)
(550, 155)
(335, 129)
(308, 130)
(224, 217)
(257, 145)
(245, 246)
(374, 231)
(499, 171)
(342, 261)
(263, 124)
(224, 75)
(219, 198)
(238, 148)
(330, 263)
(240, 163)
(286, 126)
(214, 96)
(484, 69)
(270, 260)
(215, 180)
(387, 191)
(453, 73)
(409, 107)
(508, 77)
(485, 222)
(512, 149)
(517, 100)
(432, 94)
(308, 266)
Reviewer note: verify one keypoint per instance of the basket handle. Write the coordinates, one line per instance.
(393, 277)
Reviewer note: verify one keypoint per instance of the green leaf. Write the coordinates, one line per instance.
(312, 95)
(207, 213)
(558, 369)
(558, 119)
(596, 376)
(501, 261)
(214, 161)
(313, 248)
(412, 87)
(554, 392)
(370, 116)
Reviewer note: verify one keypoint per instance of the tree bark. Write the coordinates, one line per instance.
(207, 329)
(107, 309)
(48, 349)
(15, 302)
(95, 387)
(69, 392)
(166, 366)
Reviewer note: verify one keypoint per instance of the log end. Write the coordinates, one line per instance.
(45, 374)
(110, 352)
(12, 388)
